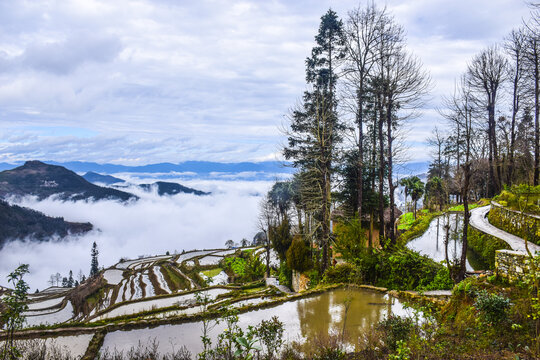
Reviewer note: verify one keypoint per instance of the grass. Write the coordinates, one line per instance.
(406, 220)
(461, 208)
(212, 272)
(254, 290)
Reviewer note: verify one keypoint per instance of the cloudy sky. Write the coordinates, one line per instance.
(138, 82)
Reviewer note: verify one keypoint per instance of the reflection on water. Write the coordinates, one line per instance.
(432, 242)
(326, 312)
(303, 318)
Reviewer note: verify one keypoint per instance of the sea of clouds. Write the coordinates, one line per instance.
(152, 225)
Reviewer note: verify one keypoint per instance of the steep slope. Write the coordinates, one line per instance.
(17, 222)
(43, 180)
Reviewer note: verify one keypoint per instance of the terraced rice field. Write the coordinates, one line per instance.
(136, 286)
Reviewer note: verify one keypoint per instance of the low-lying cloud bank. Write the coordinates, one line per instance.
(152, 225)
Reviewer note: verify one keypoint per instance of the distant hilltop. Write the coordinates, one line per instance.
(19, 223)
(43, 180)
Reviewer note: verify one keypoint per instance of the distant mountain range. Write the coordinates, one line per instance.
(199, 167)
(43, 180)
(267, 170)
(162, 187)
(18, 223)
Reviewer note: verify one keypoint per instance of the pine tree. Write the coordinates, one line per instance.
(315, 128)
(94, 265)
(70, 280)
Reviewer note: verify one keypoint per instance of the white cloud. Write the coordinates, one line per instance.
(152, 225)
(220, 74)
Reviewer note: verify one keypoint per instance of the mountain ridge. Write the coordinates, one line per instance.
(43, 180)
(18, 222)
(201, 167)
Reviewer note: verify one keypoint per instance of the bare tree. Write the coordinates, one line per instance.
(57, 278)
(362, 27)
(485, 75)
(515, 48)
(402, 83)
(437, 141)
(532, 67)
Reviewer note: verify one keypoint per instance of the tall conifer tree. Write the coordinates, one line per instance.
(315, 127)
(94, 265)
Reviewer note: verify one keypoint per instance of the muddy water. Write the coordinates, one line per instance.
(303, 318)
(432, 242)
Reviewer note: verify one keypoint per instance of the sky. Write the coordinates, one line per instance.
(138, 82)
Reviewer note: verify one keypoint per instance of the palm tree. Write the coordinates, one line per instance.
(406, 183)
(416, 188)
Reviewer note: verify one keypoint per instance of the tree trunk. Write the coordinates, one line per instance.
(381, 171)
(392, 220)
(536, 61)
(267, 233)
(370, 234)
(464, 244)
(515, 108)
(360, 185)
(491, 178)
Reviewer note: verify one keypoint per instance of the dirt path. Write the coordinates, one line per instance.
(480, 222)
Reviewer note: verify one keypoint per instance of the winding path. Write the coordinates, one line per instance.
(480, 222)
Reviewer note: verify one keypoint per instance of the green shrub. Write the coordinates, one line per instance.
(245, 267)
(351, 239)
(520, 197)
(466, 287)
(298, 255)
(441, 281)
(492, 307)
(281, 238)
(405, 269)
(270, 333)
(386, 269)
(314, 277)
(395, 329)
(340, 273)
(403, 352)
(285, 274)
(330, 353)
(236, 264)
